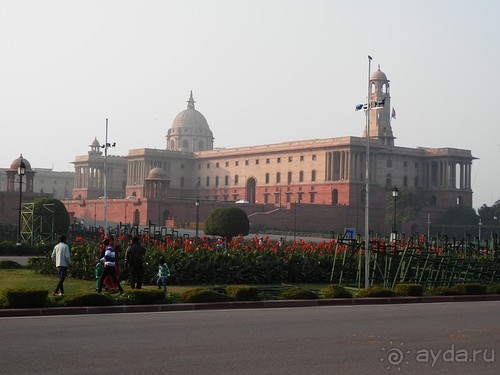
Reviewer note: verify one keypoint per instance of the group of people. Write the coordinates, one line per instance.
(107, 270)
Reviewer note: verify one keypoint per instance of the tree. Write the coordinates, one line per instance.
(227, 222)
(408, 206)
(61, 215)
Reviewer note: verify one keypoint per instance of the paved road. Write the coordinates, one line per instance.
(377, 339)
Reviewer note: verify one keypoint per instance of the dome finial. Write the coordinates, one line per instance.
(191, 101)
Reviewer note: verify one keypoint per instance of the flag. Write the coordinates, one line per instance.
(393, 113)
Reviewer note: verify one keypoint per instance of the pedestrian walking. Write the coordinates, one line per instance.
(134, 260)
(109, 261)
(62, 257)
(163, 273)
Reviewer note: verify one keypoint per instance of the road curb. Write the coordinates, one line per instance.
(85, 310)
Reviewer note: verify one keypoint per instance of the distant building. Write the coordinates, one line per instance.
(319, 181)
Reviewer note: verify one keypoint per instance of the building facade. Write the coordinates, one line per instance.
(319, 182)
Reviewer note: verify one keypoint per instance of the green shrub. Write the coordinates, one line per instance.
(375, 291)
(9, 265)
(90, 299)
(144, 297)
(471, 288)
(335, 291)
(197, 295)
(243, 292)
(25, 298)
(444, 291)
(298, 293)
(414, 290)
(494, 289)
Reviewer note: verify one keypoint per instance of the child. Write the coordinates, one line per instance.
(163, 273)
(98, 273)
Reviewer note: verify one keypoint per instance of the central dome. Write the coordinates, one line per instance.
(190, 117)
(190, 131)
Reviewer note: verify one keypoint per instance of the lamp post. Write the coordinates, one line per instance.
(367, 182)
(197, 204)
(105, 146)
(395, 194)
(21, 171)
(480, 224)
(295, 222)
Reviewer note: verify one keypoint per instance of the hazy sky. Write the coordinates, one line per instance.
(261, 71)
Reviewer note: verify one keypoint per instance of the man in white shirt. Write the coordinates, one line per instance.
(62, 256)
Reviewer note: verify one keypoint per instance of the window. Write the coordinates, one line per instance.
(267, 178)
(216, 165)
(301, 176)
(236, 163)
(226, 181)
(278, 160)
(278, 178)
(301, 157)
(208, 165)
(389, 163)
(236, 179)
(256, 161)
(405, 164)
(182, 166)
(313, 157)
(208, 181)
(313, 175)
(290, 159)
(216, 181)
(289, 178)
(227, 164)
(405, 181)
(246, 162)
(182, 181)
(267, 161)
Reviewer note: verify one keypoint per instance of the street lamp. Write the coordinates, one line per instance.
(197, 204)
(395, 194)
(295, 221)
(105, 146)
(21, 171)
(480, 224)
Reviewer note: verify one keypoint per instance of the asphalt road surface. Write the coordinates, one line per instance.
(436, 338)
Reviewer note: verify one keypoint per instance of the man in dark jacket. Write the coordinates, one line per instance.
(134, 259)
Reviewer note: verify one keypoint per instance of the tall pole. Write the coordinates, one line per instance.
(20, 210)
(367, 184)
(197, 204)
(21, 170)
(105, 181)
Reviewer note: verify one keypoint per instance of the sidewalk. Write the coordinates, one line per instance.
(83, 310)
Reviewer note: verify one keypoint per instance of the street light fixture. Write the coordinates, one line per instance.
(21, 171)
(395, 194)
(197, 204)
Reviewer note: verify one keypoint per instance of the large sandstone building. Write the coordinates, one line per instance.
(309, 185)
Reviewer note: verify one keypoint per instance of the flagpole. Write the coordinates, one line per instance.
(367, 183)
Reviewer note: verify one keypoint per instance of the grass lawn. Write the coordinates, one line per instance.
(25, 278)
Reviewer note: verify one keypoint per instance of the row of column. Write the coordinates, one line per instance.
(448, 174)
(89, 177)
(348, 166)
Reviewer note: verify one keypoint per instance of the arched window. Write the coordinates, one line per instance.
(335, 196)
(278, 178)
(289, 178)
(267, 178)
(301, 176)
(313, 175)
(236, 179)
